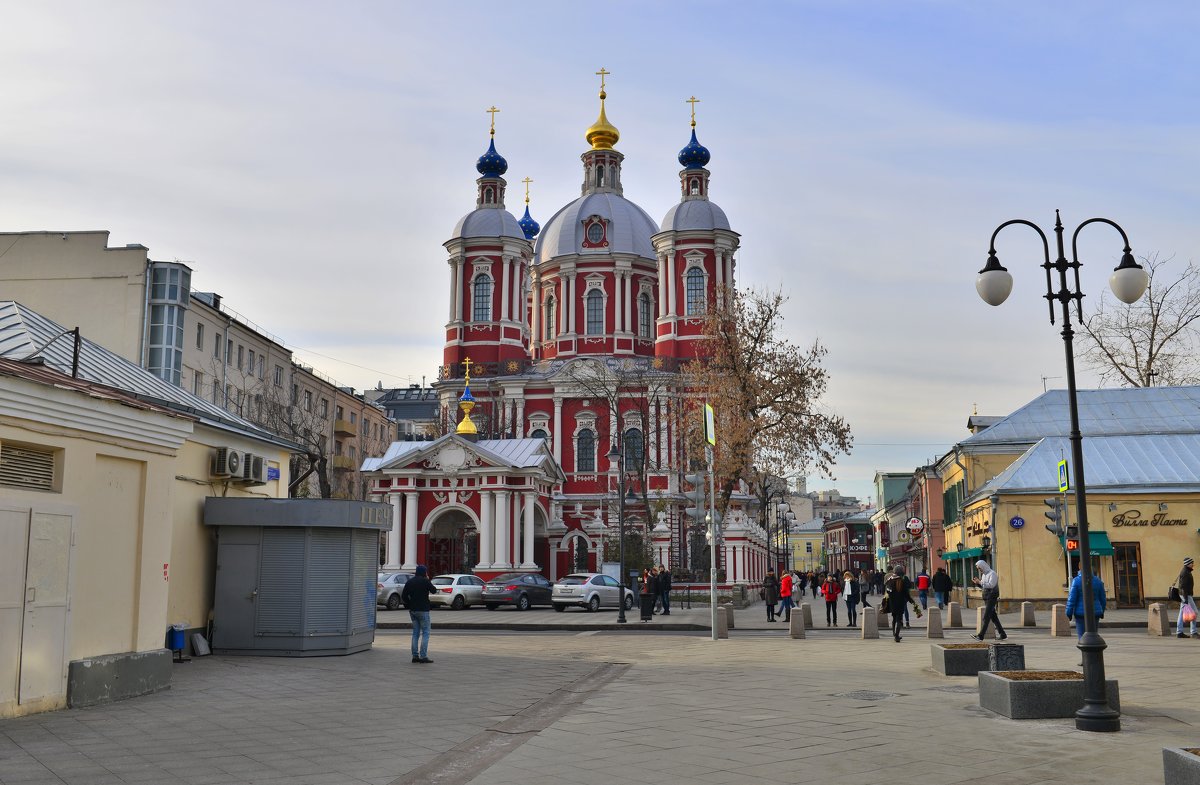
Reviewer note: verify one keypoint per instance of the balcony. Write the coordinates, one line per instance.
(344, 428)
(343, 463)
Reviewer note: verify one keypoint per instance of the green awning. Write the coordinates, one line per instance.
(965, 553)
(1098, 543)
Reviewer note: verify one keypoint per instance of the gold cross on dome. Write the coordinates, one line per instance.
(492, 111)
(602, 73)
(693, 101)
(527, 181)
(467, 365)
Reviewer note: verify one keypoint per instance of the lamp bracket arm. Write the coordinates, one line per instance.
(1075, 256)
(1023, 222)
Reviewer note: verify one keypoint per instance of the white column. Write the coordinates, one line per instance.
(617, 301)
(393, 542)
(485, 530)
(454, 285)
(410, 530)
(562, 305)
(661, 405)
(662, 286)
(527, 549)
(521, 418)
(558, 429)
(719, 264)
(729, 267)
(651, 430)
(630, 325)
(458, 289)
(671, 287)
(616, 437)
(572, 326)
(506, 289)
(503, 536)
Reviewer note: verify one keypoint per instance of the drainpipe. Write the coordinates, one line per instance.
(962, 531)
(143, 338)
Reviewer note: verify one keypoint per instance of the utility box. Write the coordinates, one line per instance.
(295, 577)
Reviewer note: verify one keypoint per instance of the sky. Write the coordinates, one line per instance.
(308, 160)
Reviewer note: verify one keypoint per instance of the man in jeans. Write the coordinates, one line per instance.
(989, 582)
(1186, 584)
(416, 598)
(664, 588)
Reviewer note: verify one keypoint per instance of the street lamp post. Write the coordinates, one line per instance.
(615, 457)
(1128, 282)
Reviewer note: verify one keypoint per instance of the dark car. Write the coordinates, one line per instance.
(523, 589)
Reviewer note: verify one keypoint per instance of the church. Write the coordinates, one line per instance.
(560, 382)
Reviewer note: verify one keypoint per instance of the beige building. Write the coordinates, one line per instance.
(103, 476)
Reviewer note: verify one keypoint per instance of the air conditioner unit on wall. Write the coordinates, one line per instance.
(254, 470)
(226, 463)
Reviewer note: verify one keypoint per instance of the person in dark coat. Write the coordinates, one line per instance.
(415, 597)
(896, 591)
(1186, 584)
(942, 586)
(664, 588)
(770, 593)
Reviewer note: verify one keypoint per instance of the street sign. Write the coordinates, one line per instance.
(1063, 483)
(710, 425)
(1016, 522)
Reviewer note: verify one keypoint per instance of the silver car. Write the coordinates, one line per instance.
(388, 587)
(457, 590)
(591, 590)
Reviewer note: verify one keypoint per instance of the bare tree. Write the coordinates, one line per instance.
(1154, 340)
(766, 392)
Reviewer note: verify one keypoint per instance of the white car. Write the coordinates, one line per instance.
(591, 590)
(457, 590)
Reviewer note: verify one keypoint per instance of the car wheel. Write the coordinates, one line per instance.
(523, 602)
(559, 608)
(393, 602)
(459, 603)
(593, 604)
(628, 602)
(491, 607)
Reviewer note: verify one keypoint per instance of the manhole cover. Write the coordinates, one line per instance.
(865, 695)
(961, 688)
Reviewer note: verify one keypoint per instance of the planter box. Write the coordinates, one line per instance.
(960, 659)
(1037, 699)
(1180, 767)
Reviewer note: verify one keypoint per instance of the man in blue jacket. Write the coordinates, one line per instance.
(1075, 608)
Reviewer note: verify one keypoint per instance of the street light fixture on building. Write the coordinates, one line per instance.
(1128, 282)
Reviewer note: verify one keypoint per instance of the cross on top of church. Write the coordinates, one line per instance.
(527, 181)
(492, 111)
(467, 366)
(693, 101)
(602, 73)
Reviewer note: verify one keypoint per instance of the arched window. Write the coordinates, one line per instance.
(695, 186)
(585, 451)
(633, 449)
(538, 433)
(548, 328)
(695, 291)
(644, 321)
(595, 312)
(481, 298)
(600, 176)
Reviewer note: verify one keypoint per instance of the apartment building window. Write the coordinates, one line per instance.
(325, 407)
(352, 452)
(337, 448)
(308, 400)
(199, 335)
(217, 346)
(169, 294)
(262, 365)
(229, 352)
(295, 393)
(278, 375)
(216, 392)
(197, 384)
(230, 398)
(353, 418)
(366, 427)
(241, 356)
(250, 362)
(341, 414)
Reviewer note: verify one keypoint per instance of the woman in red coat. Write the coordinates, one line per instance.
(831, 589)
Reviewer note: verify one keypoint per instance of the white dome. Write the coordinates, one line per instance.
(694, 214)
(487, 222)
(629, 228)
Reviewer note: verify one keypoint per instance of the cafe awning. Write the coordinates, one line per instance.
(966, 553)
(1098, 543)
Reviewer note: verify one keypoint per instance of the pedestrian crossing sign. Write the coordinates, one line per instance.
(1064, 484)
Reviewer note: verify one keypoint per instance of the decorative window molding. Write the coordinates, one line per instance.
(584, 446)
(595, 232)
(481, 297)
(595, 303)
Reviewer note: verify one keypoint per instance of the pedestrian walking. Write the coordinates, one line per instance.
(877, 581)
(864, 587)
(942, 586)
(989, 582)
(647, 596)
(923, 588)
(802, 584)
(1187, 602)
(786, 584)
(664, 588)
(415, 597)
(853, 591)
(814, 584)
(896, 588)
(770, 593)
(1075, 607)
(831, 589)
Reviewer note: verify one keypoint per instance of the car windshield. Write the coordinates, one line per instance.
(574, 580)
(442, 581)
(507, 577)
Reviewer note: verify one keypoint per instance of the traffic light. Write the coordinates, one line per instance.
(1055, 514)
(695, 496)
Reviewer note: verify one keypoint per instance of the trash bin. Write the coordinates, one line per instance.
(647, 606)
(175, 637)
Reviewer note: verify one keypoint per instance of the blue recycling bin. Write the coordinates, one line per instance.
(175, 637)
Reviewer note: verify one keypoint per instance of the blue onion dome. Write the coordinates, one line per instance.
(694, 156)
(529, 226)
(466, 396)
(491, 163)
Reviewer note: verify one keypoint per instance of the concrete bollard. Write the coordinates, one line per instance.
(1027, 616)
(955, 614)
(722, 622)
(806, 612)
(870, 627)
(796, 626)
(729, 615)
(934, 628)
(1059, 626)
(978, 620)
(1158, 621)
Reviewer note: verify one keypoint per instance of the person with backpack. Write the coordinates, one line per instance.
(831, 589)
(923, 588)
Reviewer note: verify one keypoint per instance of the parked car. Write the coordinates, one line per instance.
(591, 590)
(388, 588)
(523, 589)
(457, 590)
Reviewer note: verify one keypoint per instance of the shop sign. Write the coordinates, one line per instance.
(1134, 518)
(915, 526)
(860, 548)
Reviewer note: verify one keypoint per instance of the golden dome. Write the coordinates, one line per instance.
(602, 134)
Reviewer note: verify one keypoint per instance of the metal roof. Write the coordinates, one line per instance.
(629, 228)
(513, 453)
(694, 214)
(490, 221)
(1115, 464)
(24, 332)
(1124, 411)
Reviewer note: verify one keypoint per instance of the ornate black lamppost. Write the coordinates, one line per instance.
(616, 458)
(1128, 282)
